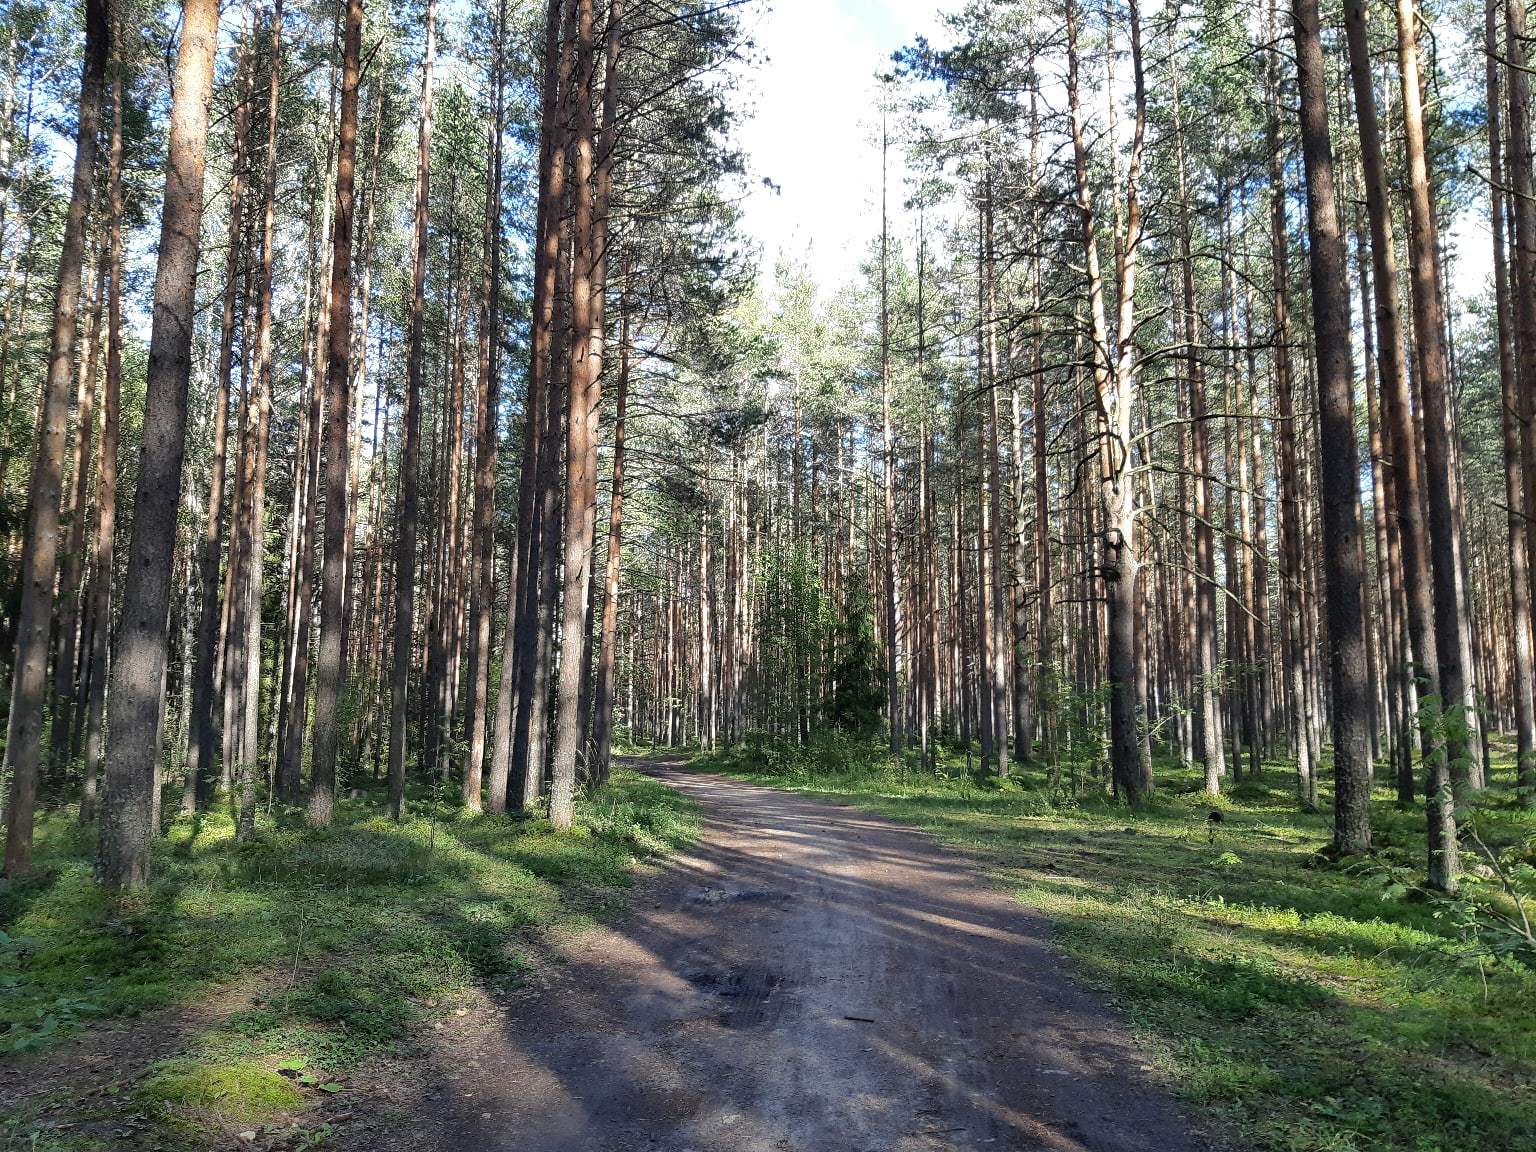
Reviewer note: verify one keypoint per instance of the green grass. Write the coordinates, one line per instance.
(1310, 1007)
(351, 939)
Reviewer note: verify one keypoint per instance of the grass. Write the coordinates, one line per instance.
(349, 939)
(1307, 1006)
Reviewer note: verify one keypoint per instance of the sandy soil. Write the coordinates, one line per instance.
(805, 978)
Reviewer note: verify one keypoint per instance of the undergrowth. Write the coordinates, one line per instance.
(1308, 1006)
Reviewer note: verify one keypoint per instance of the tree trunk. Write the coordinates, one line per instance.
(1114, 388)
(482, 600)
(1207, 711)
(537, 492)
(1509, 389)
(70, 602)
(410, 452)
(202, 732)
(585, 360)
(138, 674)
(1523, 203)
(602, 709)
(1287, 466)
(39, 560)
(255, 560)
(331, 662)
(599, 743)
(888, 481)
(1432, 374)
(106, 468)
(1401, 442)
(443, 620)
(1001, 599)
(1343, 558)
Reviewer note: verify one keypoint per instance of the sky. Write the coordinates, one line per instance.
(822, 57)
(809, 131)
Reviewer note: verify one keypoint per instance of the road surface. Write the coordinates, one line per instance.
(805, 978)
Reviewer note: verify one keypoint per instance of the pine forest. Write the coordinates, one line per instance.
(717, 575)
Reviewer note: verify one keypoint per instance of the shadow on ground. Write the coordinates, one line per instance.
(805, 977)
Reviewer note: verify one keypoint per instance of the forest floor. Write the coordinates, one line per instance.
(862, 956)
(1305, 1006)
(267, 995)
(794, 976)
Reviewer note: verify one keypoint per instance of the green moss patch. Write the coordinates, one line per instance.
(239, 1094)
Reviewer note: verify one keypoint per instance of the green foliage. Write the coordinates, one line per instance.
(858, 697)
(1491, 910)
(794, 621)
(809, 639)
(1497, 899)
(1283, 995)
(48, 1016)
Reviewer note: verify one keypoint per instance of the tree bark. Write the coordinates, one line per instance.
(70, 605)
(1523, 203)
(550, 349)
(482, 601)
(106, 468)
(602, 708)
(202, 733)
(1432, 373)
(1339, 466)
(410, 452)
(1114, 390)
(1208, 713)
(255, 559)
(39, 560)
(1287, 469)
(585, 359)
(888, 479)
(1518, 543)
(331, 662)
(138, 674)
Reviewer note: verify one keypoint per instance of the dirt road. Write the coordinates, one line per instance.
(807, 978)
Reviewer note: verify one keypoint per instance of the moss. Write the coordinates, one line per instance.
(242, 1094)
(443, 896)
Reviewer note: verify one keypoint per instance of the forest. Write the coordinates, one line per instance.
(472, 615)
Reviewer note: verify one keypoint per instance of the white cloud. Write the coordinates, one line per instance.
(811, 132)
